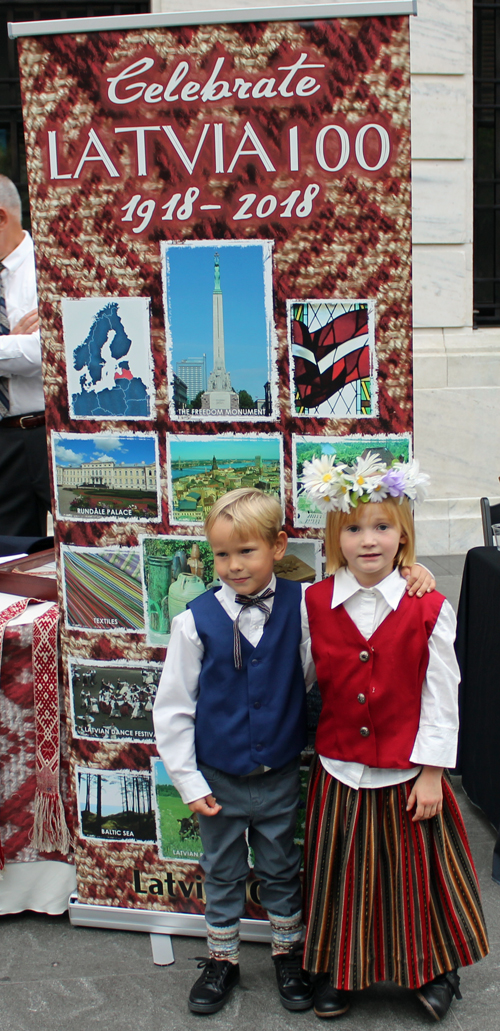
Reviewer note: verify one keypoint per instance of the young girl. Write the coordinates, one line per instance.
(390, 889)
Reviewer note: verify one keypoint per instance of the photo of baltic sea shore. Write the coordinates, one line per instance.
(115, 805)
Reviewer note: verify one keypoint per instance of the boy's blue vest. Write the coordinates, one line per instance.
(254, 715)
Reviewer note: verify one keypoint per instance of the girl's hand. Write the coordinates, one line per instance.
(427, 793)
(207, 806)
(418, 580)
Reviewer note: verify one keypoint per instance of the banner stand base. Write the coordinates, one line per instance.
(162, 949)
(160, 926)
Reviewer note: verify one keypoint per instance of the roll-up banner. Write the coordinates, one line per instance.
(221, 213)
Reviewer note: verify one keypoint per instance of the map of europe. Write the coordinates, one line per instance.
(107, 385)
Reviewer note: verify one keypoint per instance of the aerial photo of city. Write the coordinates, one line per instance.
(202, 468)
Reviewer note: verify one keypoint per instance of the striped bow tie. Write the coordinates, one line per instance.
(246, 601)
(4, 328)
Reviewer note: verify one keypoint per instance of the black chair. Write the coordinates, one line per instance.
(24, 545)
(490, 514)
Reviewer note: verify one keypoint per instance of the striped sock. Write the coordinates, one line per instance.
(286, 931)
(224, 942)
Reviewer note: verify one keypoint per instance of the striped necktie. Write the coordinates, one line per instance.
(246, 600)
(4, 328)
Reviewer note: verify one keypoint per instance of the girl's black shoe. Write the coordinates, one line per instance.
(328, 1001)
(210, 992)
(437, 995)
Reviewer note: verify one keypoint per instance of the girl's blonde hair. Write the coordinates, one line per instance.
(251, 512)
(397, 512)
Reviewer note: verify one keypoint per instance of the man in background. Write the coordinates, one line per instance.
(24, 473)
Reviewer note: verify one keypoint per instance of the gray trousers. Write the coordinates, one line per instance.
(265, 805)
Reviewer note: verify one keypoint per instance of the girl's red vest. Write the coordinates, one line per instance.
(371, 690)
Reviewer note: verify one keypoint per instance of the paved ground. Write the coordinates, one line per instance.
(54, 977)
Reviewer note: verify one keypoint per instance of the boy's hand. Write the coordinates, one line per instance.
(418, 580)
(427, 793)
(207, 806)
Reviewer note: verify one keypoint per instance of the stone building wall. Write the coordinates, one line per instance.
(457, 369)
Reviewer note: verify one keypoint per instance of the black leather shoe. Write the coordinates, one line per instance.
(437, 995)
(294, 986)
(328, 1001)
(210, 992)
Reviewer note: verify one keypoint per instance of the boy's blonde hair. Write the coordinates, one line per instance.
(398, 513)
(250, 511)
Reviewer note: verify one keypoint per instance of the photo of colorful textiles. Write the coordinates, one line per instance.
(103, 589)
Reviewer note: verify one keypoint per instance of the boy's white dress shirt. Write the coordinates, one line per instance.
(436, 740)
(175, 705)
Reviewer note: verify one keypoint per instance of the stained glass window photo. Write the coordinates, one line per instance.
(332, 358)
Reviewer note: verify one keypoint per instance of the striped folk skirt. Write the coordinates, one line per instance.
(386, 899)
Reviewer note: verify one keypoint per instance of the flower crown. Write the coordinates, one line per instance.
(335, 486)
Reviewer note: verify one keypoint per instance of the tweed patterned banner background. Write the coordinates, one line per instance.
(292, 139)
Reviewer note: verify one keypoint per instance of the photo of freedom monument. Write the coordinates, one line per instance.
(220, 395)
(220, 329)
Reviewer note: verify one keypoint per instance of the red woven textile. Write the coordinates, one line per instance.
(31, 814)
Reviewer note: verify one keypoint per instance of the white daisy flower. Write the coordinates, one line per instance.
(318, 473)
(416, 483)
(326, 502)
(364, 469)
(376, 489)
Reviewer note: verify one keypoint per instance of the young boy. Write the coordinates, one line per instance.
(230, 722)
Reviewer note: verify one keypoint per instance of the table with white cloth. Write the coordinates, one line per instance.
(35, 880)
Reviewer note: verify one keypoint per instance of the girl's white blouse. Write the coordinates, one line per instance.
(436, 740)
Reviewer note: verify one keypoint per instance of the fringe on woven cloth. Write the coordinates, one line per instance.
(9, 613)
(50, 833)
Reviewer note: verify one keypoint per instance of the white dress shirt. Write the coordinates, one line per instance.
(436, 740)
(20, 354)
(175, 706)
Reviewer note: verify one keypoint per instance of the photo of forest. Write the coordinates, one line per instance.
(115, 805)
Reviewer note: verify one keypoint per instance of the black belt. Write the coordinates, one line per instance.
(23, 422)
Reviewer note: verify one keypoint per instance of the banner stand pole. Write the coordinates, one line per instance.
(160, 926)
